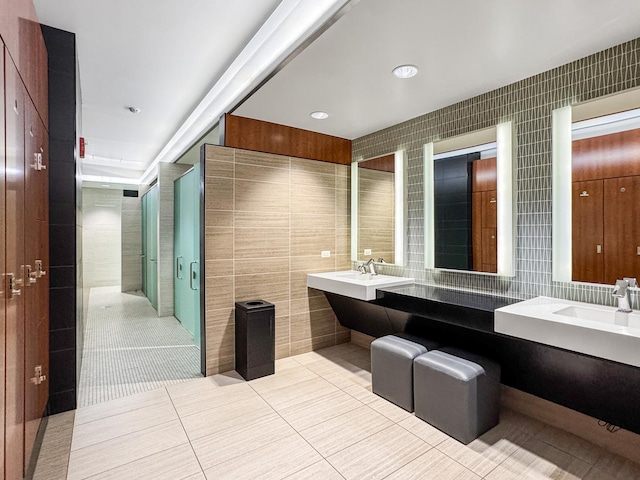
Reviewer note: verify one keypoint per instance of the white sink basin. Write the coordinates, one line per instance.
(581, 327)
(354, 284)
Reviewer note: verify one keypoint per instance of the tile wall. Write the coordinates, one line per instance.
(267, 219)
(101, 234)
(131, 260)
(167, 174)
(528, 104)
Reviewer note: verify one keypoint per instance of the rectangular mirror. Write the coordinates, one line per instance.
(469, 202)
(596, 186)
(378, 209)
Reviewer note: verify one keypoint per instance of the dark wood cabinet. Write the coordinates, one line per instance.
(587, 231)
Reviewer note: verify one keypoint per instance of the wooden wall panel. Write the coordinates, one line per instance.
(606, 156)
(621, 228)
(259, 136)
(3, 286)
(484, 222)
(587, 231)
(15, 239)
(386, 163)
(485, 174)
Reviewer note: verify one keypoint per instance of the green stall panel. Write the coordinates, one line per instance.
(187, 251)
(150, 245)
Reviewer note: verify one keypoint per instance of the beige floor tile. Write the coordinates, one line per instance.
(537, 460)
(319, 409)
(528, 425)
(423, 430)
(240, 440)
(290, 376)
(121, 405)
(610, 465)
(199, 476)
(433, 465)
(53, 458)
(285, 397)
(173, 464)
(197, 386)
(213, 397)
(115, 426)
(345, 430)
(486, 452)
(571, 444)
(344, 379)
(363, 394)
(378, 455)
(389, 410)
(226, 416)
(275, 460)
(318, 471)
(285, 363)
(122, 450)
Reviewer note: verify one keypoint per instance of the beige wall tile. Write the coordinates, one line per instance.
(261, 242)
(215, 152)
(262, 174)
(261, 265)
(219, 168)
(218, 193)
(219, 268)
(219, 293)
(261, 197)
(261, 220)
(261, 159)
(219, 242)
(312, 324)
(283, 213)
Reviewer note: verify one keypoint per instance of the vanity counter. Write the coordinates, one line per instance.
(465, 309)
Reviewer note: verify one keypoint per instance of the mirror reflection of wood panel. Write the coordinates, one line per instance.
(606, 187)
(485, 215)
(376, 207)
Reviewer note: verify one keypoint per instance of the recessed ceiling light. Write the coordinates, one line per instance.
(405, 71)
(319, 115)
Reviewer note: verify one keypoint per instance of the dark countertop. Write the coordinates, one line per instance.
(465, 309)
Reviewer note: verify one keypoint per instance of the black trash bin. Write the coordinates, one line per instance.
(255, 338)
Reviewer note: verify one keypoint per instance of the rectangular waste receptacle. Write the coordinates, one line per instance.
(255, 338)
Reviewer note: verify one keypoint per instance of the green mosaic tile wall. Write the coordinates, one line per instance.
(528, 104)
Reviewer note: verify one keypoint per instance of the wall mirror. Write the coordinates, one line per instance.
(378, 209)
(596, 190)
(469, 202)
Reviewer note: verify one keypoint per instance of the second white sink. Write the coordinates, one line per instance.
(353, 284)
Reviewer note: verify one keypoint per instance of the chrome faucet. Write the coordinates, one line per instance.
(621, 292)
(371, 266)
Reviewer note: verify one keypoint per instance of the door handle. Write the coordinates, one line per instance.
(192, 275)
(13, 291)
(178, 267)
(30, 276)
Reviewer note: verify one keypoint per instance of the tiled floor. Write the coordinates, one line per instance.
(316, 418)
(128, 349)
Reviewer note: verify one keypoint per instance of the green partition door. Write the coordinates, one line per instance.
(187, 251)
(150, 245)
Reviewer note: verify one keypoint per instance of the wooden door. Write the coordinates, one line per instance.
(3, 292)
(33, 292)
(14, 280)
(621, 228)
(587, 239)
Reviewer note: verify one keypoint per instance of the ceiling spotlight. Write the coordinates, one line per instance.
(319, 115)
(405, 71)
(133, 109)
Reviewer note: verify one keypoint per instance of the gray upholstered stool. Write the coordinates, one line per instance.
(457, 392)
(392, 367)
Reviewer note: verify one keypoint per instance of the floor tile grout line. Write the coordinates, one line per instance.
(557, 447)
(120, 436)
(121, 413)
(186, 435)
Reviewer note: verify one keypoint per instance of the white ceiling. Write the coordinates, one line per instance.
(463, 48)
(164, 56)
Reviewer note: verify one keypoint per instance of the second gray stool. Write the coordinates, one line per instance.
(392, 368)
(457, 392)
